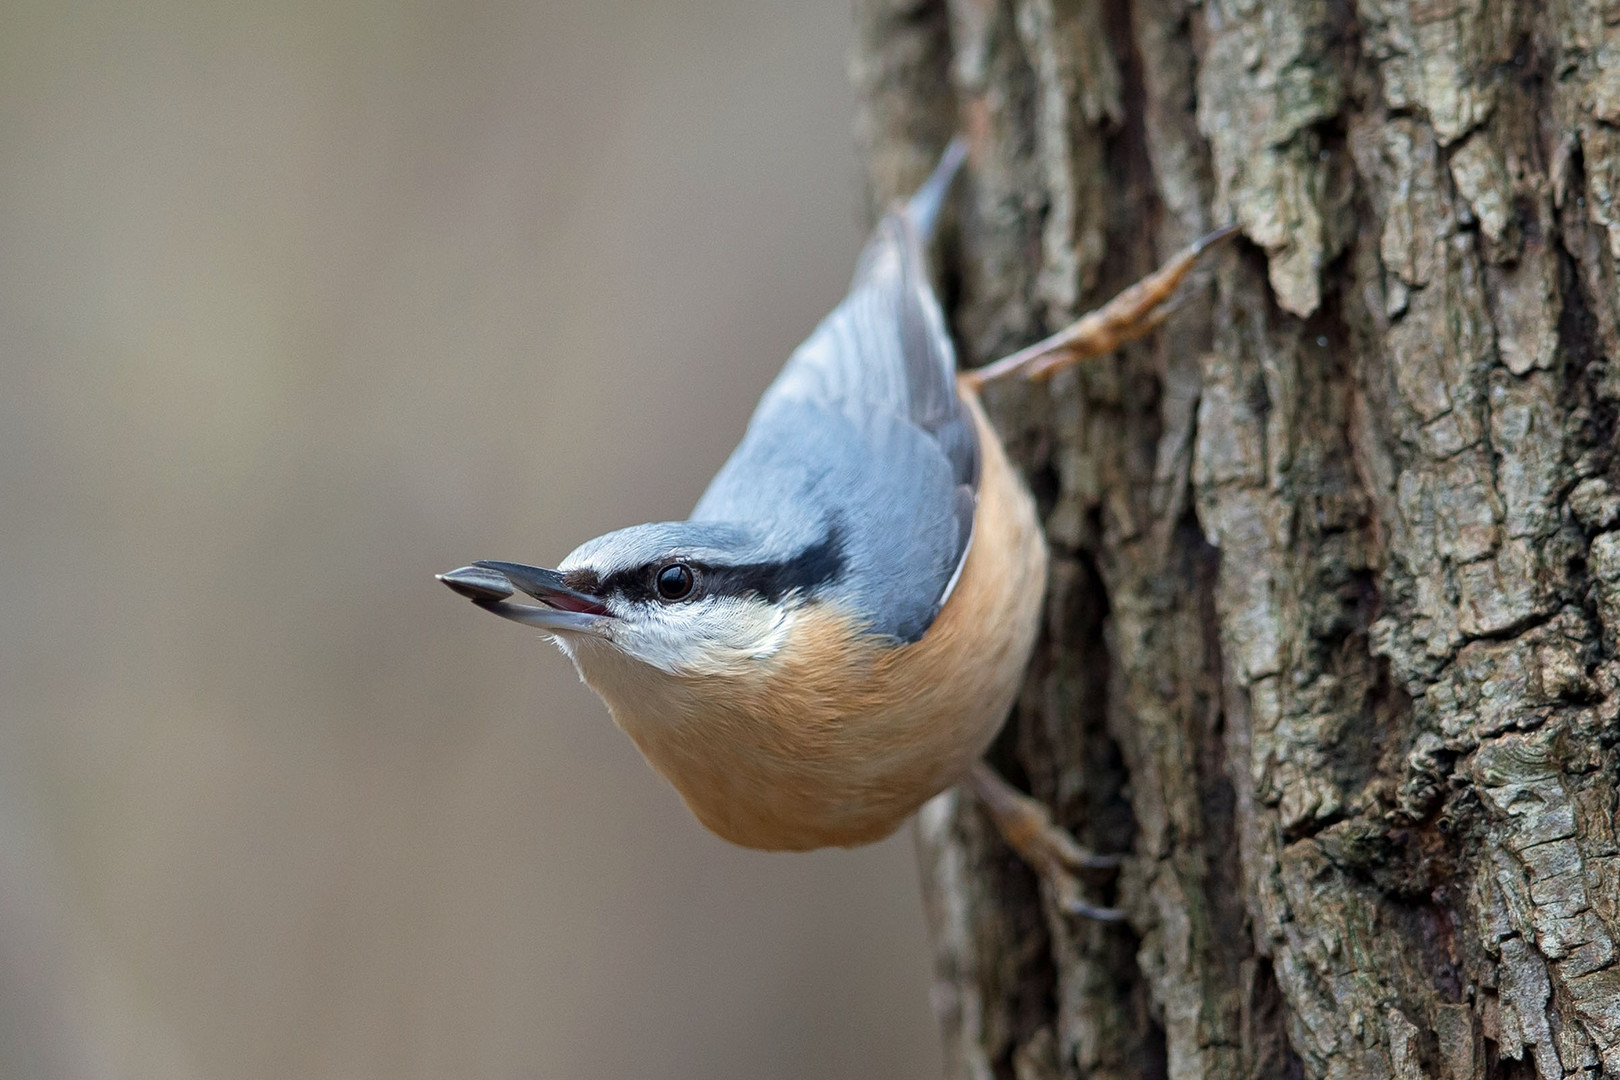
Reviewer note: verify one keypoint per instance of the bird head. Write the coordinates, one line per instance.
(685, 599)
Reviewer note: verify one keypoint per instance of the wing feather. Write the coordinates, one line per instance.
(863, 436)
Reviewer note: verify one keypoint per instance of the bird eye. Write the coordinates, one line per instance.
(674, 581)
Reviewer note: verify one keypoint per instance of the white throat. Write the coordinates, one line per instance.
(713, 636)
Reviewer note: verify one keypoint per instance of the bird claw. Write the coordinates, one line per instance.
(1055, 855)
(1133, 314)
(1048, 849)
(1078, 908)
(1070, 855)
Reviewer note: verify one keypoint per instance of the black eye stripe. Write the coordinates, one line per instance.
(816, 565)
(641, 583)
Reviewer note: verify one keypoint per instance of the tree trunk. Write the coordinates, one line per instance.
(1335, 600)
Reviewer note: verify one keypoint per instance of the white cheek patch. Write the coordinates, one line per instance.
(714, 636)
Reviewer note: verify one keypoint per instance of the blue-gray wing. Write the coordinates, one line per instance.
(862, 440)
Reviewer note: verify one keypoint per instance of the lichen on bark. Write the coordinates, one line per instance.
(1335, 604)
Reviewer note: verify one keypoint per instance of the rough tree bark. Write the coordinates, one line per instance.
(1335, 607)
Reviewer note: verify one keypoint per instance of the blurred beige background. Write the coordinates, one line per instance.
(299, 304)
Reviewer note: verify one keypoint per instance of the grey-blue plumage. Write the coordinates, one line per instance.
(862, 441)
(856, 481)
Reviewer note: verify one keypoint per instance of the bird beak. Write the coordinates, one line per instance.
(489, 584)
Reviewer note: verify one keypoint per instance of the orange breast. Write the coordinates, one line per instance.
(842, 737)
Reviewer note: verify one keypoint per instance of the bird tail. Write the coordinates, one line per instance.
(922, 209)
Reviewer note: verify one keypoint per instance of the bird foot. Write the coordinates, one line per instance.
(1048, 849)
(1133, 314)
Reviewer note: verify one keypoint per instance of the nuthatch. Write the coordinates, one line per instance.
(841, 627)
